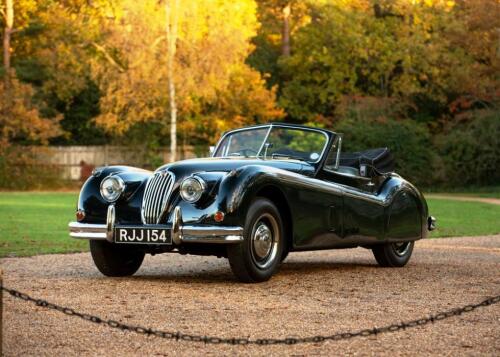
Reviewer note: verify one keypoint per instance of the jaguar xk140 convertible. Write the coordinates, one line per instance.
(266, 190)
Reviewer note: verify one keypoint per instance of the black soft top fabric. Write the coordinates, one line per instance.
(380, 159)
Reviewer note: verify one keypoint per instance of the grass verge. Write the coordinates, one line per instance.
(459, 218)
(481, 191)
(37, 223)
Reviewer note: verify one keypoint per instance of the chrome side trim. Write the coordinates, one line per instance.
(87, 231)
(301, 180)
(304, 181)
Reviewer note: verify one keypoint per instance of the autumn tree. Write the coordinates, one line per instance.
(212, 44)
(20, 118)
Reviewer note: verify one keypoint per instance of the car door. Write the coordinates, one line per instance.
(363, 216)
(362, 207)
(317, 211)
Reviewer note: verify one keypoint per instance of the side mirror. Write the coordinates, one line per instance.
(211, 150)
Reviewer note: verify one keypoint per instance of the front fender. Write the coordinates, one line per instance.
(127, 206)
(238, 188)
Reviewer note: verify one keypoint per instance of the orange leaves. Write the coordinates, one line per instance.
(20, 118)
(214, 86)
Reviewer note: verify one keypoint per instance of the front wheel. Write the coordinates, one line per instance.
(393, 254)
(257, 258)
(114, 259)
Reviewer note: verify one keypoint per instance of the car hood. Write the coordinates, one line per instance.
(223, 164)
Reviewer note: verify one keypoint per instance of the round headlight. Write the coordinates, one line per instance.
(111, 188)
(192, 189)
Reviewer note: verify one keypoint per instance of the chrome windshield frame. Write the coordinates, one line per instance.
(271, 126)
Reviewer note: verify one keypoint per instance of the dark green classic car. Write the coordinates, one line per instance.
(265, 191)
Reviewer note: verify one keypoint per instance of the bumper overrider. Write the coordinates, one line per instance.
(431, 223)
(179, 232)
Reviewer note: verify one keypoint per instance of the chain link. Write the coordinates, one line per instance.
(178, 336)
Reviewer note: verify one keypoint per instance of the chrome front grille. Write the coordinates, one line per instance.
(156, 196)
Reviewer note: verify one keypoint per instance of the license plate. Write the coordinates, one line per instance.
(142, 235)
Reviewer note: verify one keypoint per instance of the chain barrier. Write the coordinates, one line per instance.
(178, 336)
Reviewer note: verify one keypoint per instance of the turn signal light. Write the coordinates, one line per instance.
(219, 216)
(80, 215)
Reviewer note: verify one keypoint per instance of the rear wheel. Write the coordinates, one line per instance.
(257, 258)
(393, 254)
(114, 259)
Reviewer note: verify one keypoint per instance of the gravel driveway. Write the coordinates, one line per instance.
(315, 293)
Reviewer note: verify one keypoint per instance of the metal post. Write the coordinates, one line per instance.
(106, 155)
(1, 312)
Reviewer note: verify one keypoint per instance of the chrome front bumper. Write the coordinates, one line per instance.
(180, 233)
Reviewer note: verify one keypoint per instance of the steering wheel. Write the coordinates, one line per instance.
(245, 152)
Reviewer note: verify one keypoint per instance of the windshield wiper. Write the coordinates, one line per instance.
(287, 156)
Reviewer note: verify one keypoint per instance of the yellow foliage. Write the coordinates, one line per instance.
(19, 117)
(213, 43)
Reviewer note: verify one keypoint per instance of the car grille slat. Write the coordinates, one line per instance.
(156, 196)
(148, 214)
(147, 198)
(160, 191)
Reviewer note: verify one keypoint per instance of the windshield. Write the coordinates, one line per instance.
(274, 143)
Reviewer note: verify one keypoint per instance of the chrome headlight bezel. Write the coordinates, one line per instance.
(118, 186)
(196, 184)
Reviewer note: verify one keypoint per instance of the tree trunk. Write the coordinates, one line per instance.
(285, 38)
(9, 23)
(171, 28)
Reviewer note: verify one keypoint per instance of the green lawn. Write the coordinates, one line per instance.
(458, 218)
(485, 191)
(36, 222)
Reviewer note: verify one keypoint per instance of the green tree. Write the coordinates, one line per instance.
(423, 53)
(279, 21)
(369, 122)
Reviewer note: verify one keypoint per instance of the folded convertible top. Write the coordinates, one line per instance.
(380, 159)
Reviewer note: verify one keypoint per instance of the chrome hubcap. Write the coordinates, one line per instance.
(265, 238)
(401, 248)
(262, 240)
